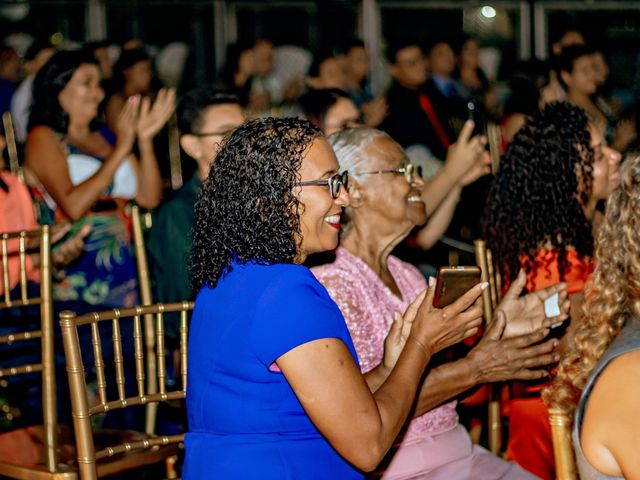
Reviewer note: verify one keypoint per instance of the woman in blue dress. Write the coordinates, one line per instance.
(274, 389)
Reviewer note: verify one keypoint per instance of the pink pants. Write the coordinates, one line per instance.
(449, 456)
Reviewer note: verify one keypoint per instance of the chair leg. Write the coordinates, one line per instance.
(170, 464)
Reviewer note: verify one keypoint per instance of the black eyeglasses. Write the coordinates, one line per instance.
(334, 183)
(409, 171)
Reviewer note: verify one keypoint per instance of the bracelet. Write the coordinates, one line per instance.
(427, 353)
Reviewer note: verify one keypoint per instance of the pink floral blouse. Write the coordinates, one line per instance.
(368, 306)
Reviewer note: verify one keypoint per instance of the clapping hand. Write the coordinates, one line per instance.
(526, 314)
(151, 118)
(399, 332)
(497, 358)
(435, 329)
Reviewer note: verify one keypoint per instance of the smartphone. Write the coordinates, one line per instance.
(453, 282)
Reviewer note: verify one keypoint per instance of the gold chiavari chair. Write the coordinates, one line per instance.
(49, 467)
(140, 222)
(491, 298)
(562, 444)
(10, 135)
(175, 163)
(142, 449)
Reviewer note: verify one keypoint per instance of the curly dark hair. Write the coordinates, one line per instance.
(247, 210)
(536, 199)
(49, 82)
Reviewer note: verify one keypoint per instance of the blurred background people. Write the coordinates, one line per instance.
(38, 53)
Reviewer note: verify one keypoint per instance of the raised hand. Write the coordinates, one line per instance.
(125, 129)
(153, 117)
(375, 111)
(527, 314)
(497, 358)
(436, 329)
(465, 160)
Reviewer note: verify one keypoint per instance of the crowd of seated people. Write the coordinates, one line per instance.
(418, 168)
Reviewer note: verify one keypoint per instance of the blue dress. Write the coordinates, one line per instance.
(245, 421)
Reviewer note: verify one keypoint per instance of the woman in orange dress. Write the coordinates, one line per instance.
(540, 216)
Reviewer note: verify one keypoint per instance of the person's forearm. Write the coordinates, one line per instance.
(149, 180)
(376, 377)
(444, 383)
(396, 395)
(437, 189)
(439, 221)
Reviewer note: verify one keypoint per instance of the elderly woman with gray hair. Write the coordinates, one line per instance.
(373, 289)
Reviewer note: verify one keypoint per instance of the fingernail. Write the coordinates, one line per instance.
(556, 343)
(557, 358)
(132, 99)
(432, 281)
(484, 285)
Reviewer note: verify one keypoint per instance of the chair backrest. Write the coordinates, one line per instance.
(494, 138)
(562, 444)
(144, 283)
(10, 135)
(175, 162)
(19, 244)
(491, 298)
(82, 411)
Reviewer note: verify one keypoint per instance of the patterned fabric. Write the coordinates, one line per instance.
(368, 306)
(105, 274)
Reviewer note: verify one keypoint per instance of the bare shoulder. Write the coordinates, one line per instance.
(610, 432)
(42, 133)
(43, 146)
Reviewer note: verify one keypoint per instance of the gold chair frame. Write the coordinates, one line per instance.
(10, 135)
(138, 453)
(491, 298)
(51, 468)
(562, 444)
(144, 284)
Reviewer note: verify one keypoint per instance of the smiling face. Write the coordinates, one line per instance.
(82, 95)
(320, 213)
(387, 198)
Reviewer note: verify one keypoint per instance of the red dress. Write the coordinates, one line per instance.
(530, 442)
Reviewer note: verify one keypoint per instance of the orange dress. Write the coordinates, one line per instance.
(16, 213)
(530, 442)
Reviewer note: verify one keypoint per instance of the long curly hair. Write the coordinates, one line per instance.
(536, 199)
(49, 82)
(612, 293)
(247, 210)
